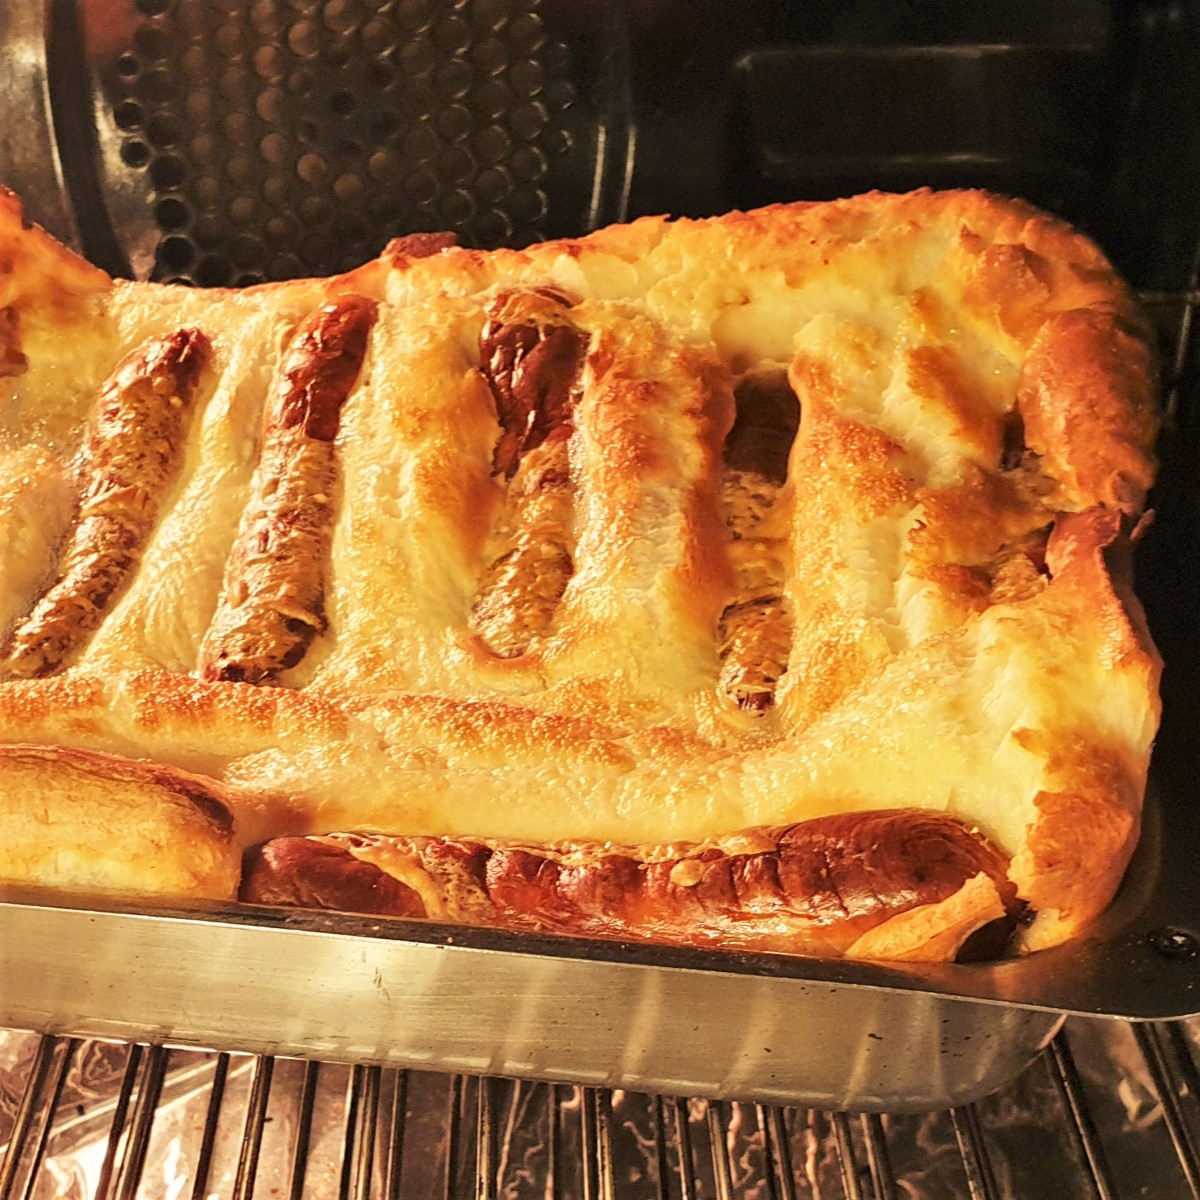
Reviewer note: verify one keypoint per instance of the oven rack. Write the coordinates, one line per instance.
(1095, 1116)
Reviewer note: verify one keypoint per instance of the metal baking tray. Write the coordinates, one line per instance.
(832, 1034)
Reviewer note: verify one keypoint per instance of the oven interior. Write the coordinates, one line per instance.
(213, 142)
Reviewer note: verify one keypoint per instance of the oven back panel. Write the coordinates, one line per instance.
(225, 143)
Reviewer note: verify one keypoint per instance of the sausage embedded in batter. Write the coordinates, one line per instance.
(755, 631)
(131, 453)
(273, 601)
(812, 887)
(531, 356)
(521, 590)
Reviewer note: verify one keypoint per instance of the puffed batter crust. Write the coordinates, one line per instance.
(758, 581)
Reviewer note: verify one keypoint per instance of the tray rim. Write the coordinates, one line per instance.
(308, 987)
(1121, 968)
(1139, 961)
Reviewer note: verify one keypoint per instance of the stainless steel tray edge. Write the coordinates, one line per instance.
(357, 990)
(778, 1028)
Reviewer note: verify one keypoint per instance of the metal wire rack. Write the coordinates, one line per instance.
(1093, 1117)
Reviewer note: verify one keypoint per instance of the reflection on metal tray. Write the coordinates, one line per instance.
(414, 995)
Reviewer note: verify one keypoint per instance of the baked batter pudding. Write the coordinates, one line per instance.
(758, 582)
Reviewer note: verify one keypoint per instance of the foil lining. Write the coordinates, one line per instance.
(553, 1142)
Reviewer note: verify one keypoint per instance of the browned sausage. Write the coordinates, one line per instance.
(131, 453)
(531, 355)
(813, 887)
(273, 602)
